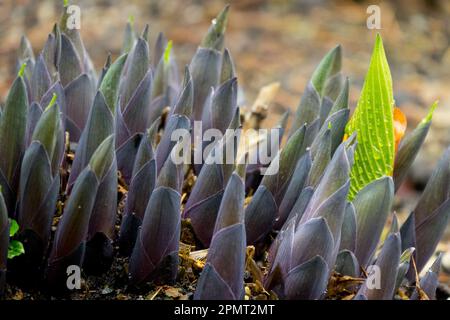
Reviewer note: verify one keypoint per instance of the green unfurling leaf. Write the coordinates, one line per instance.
(429, 116)
(15, 249)
(214, 39)
(22, 69)
(167, 52)
(110, 83)
(329, 65)
(373, 121)
(409, 148)
(13, 227)
(52, 102)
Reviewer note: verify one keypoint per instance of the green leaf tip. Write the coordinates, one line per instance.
(131, 19)
(373, 121)
(378, 42)
(66, 3)
(53, 101)
(167, 52)
(110, 83)
(22, 69)
(215, 37)
(13, 227)
(429, 116)
(15, 249)
(145, 32)
(329, 125)
(220, 23)
(328, 66)
(103, 157)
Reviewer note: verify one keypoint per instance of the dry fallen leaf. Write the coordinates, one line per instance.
(340, 285)
(18, 295)
(172, 292)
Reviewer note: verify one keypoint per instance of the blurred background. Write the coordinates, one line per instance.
(276, 40)
(271, 41)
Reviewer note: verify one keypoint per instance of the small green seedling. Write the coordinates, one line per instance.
(15, 247)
